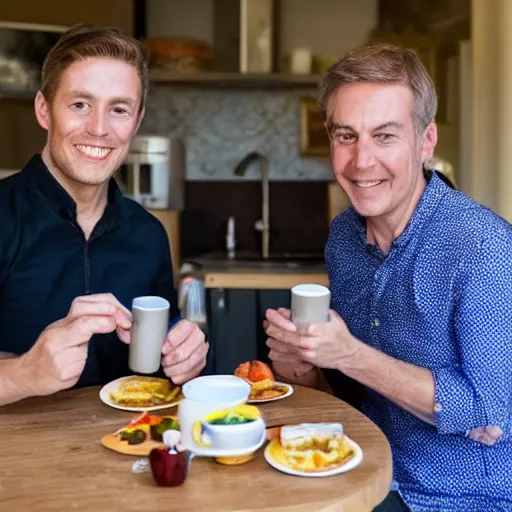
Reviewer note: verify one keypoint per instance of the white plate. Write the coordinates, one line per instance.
(350, 464)
(209, 452)
(277, 383)
(112, 386)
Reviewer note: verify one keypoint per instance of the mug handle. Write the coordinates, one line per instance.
(197, 431)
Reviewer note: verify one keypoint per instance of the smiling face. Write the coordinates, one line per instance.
(376, 152)
(91, 119)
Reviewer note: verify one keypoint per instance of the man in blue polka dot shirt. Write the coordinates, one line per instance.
(421, 282)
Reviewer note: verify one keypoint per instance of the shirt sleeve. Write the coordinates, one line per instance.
(478, 391)
(165, 286)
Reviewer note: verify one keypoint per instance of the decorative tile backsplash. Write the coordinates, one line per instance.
(221, 126)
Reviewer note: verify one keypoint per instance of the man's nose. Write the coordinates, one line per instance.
(97, 124)
(364, 157)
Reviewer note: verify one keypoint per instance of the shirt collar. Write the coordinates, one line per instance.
(427, 205)
(39, 177)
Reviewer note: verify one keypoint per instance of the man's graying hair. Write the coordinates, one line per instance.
(383, 64)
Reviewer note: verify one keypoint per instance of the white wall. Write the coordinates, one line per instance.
(449, 132)
(465, 120)
(485, 108)
(327, 27)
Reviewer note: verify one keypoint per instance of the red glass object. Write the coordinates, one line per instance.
(169, 469)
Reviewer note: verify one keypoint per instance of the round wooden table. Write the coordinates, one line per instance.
(52, 459)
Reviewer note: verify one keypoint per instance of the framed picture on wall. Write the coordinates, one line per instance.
(314, 140)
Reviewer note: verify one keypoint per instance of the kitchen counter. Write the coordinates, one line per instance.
(279, 272)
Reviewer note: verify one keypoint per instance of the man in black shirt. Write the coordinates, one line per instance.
(73, 251)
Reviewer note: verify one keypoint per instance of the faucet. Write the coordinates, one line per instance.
(262, 225)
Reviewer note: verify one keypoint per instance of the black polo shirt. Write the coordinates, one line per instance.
(45, 262)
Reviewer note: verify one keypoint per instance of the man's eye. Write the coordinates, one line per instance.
(120, 111)
(80, 105)
(385, 137)
(345, 137)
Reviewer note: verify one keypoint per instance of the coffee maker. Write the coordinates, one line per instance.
(153, 172)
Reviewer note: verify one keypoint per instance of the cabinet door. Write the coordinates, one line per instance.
(235, 325)
(232, 328)
(273, 299)
(119, 13)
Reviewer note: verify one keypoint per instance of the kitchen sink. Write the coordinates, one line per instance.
(251, 260)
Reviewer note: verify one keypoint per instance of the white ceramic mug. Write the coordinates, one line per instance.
(310, 304)
(149, 330)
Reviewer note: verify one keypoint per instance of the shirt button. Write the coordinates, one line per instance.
(438, 407)
(376, 322)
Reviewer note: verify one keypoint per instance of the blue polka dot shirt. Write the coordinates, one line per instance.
(441, 299)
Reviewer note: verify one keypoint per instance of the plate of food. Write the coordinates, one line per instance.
(140, 393)
(313, 450)
(264, 387)
(140, 435)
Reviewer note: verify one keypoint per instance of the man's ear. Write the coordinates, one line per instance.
(42, 110)
(429, 142)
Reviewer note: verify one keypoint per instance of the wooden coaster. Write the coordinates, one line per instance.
(113, 442)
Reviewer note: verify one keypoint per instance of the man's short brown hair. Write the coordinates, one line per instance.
(384, 64)
(85, 41)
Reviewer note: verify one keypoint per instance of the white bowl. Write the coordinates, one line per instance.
(233, 437)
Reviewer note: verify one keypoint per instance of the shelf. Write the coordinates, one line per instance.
(236, 80)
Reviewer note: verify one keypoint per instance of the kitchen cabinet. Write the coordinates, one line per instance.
(235, 325)
(170, 220)
(337, 201)
(119, 13)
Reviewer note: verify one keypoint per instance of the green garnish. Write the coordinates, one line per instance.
(231, 419)
(158, 430)
(137, 437)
